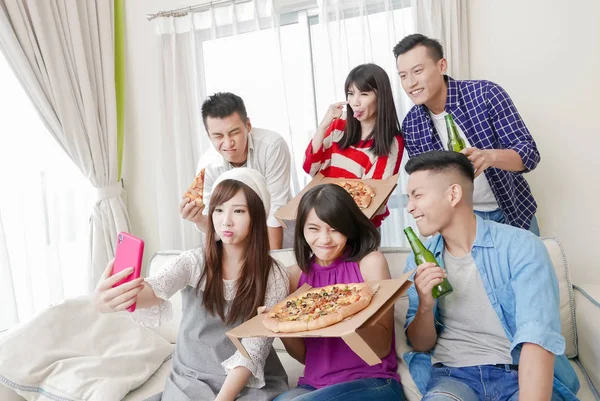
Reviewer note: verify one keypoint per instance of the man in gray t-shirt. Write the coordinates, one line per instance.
(473, 334)
(497, 335)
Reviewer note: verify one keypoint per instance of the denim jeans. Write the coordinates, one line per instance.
(356, 390)
(496, 215)
(474, 383)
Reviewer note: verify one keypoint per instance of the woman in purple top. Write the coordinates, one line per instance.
(335, 243)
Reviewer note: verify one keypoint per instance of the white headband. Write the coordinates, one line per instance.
(253, 179)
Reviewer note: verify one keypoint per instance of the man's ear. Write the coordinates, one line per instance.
(443, 65)
(456, 194)
(248, 124)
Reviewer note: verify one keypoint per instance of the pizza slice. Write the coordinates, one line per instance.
(196, 189)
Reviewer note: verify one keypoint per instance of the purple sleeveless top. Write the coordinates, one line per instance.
(329, 360)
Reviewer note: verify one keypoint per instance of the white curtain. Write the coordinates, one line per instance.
(446, 20)
(231, 47)
(8, 299)
(63, 55)
(44, 211)
(287, 67)
(356, 32)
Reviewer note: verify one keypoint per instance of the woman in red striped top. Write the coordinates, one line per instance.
(367, 144)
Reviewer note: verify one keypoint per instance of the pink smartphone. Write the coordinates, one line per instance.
(129, 253)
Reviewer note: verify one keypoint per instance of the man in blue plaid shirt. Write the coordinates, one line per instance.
(498, 143)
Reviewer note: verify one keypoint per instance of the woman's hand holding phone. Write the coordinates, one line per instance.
(108, 299)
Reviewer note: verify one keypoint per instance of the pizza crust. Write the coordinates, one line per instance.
(284, 327)
(325, 321)
(340, 312)
(355, 307)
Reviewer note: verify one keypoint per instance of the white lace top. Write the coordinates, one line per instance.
(185, 270)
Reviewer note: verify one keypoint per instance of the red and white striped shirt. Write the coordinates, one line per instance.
(357, 161)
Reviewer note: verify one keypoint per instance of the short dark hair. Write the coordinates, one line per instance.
(335, 207)
(440, 161)
(372, 78)
(223, 104)
(434, 48)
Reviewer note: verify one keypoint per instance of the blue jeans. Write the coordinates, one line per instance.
(356, 390)
(474, 383)
(496, 215)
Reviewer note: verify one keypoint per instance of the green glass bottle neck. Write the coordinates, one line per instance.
(451, 127)
(414, 241)
(453, 133)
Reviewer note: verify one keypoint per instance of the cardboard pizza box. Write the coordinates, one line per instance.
(383, 190)
(349, 330)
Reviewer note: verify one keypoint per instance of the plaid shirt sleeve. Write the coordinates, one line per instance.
(511, 130)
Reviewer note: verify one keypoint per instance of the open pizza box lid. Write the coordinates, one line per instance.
(383, 190)
(350, 329)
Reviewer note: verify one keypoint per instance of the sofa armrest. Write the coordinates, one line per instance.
(587, 311)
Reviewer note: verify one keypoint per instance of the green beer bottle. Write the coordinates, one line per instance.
(455, 142)
(423, 255)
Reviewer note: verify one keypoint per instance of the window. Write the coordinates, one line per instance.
(44, 211)
(288, 81)
(273, 85)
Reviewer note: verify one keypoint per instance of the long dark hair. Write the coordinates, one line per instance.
(252, 282)
(335, 207)
(372, 78)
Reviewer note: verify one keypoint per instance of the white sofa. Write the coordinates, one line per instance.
(580, 318)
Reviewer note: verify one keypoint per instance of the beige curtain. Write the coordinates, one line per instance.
(446, 20)
(185, 147)
(62, 51)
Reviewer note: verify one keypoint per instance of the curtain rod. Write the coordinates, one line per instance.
(180, 12)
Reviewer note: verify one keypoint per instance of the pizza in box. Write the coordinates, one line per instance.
(317, 308)
(360, 192)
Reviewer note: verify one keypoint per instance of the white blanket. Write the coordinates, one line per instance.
(71, 352)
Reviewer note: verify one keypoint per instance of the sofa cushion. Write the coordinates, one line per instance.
(586, 391)
(587, 297)
(411, 391)
(71, 352)
(154, 385)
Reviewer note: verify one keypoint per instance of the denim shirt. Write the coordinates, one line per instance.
(522, 287)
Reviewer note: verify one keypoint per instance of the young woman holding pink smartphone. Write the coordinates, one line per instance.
(222, 284)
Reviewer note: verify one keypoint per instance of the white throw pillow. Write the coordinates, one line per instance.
(72, 352)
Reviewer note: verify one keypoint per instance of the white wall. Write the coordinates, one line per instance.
(143, 116)
(546, 54)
